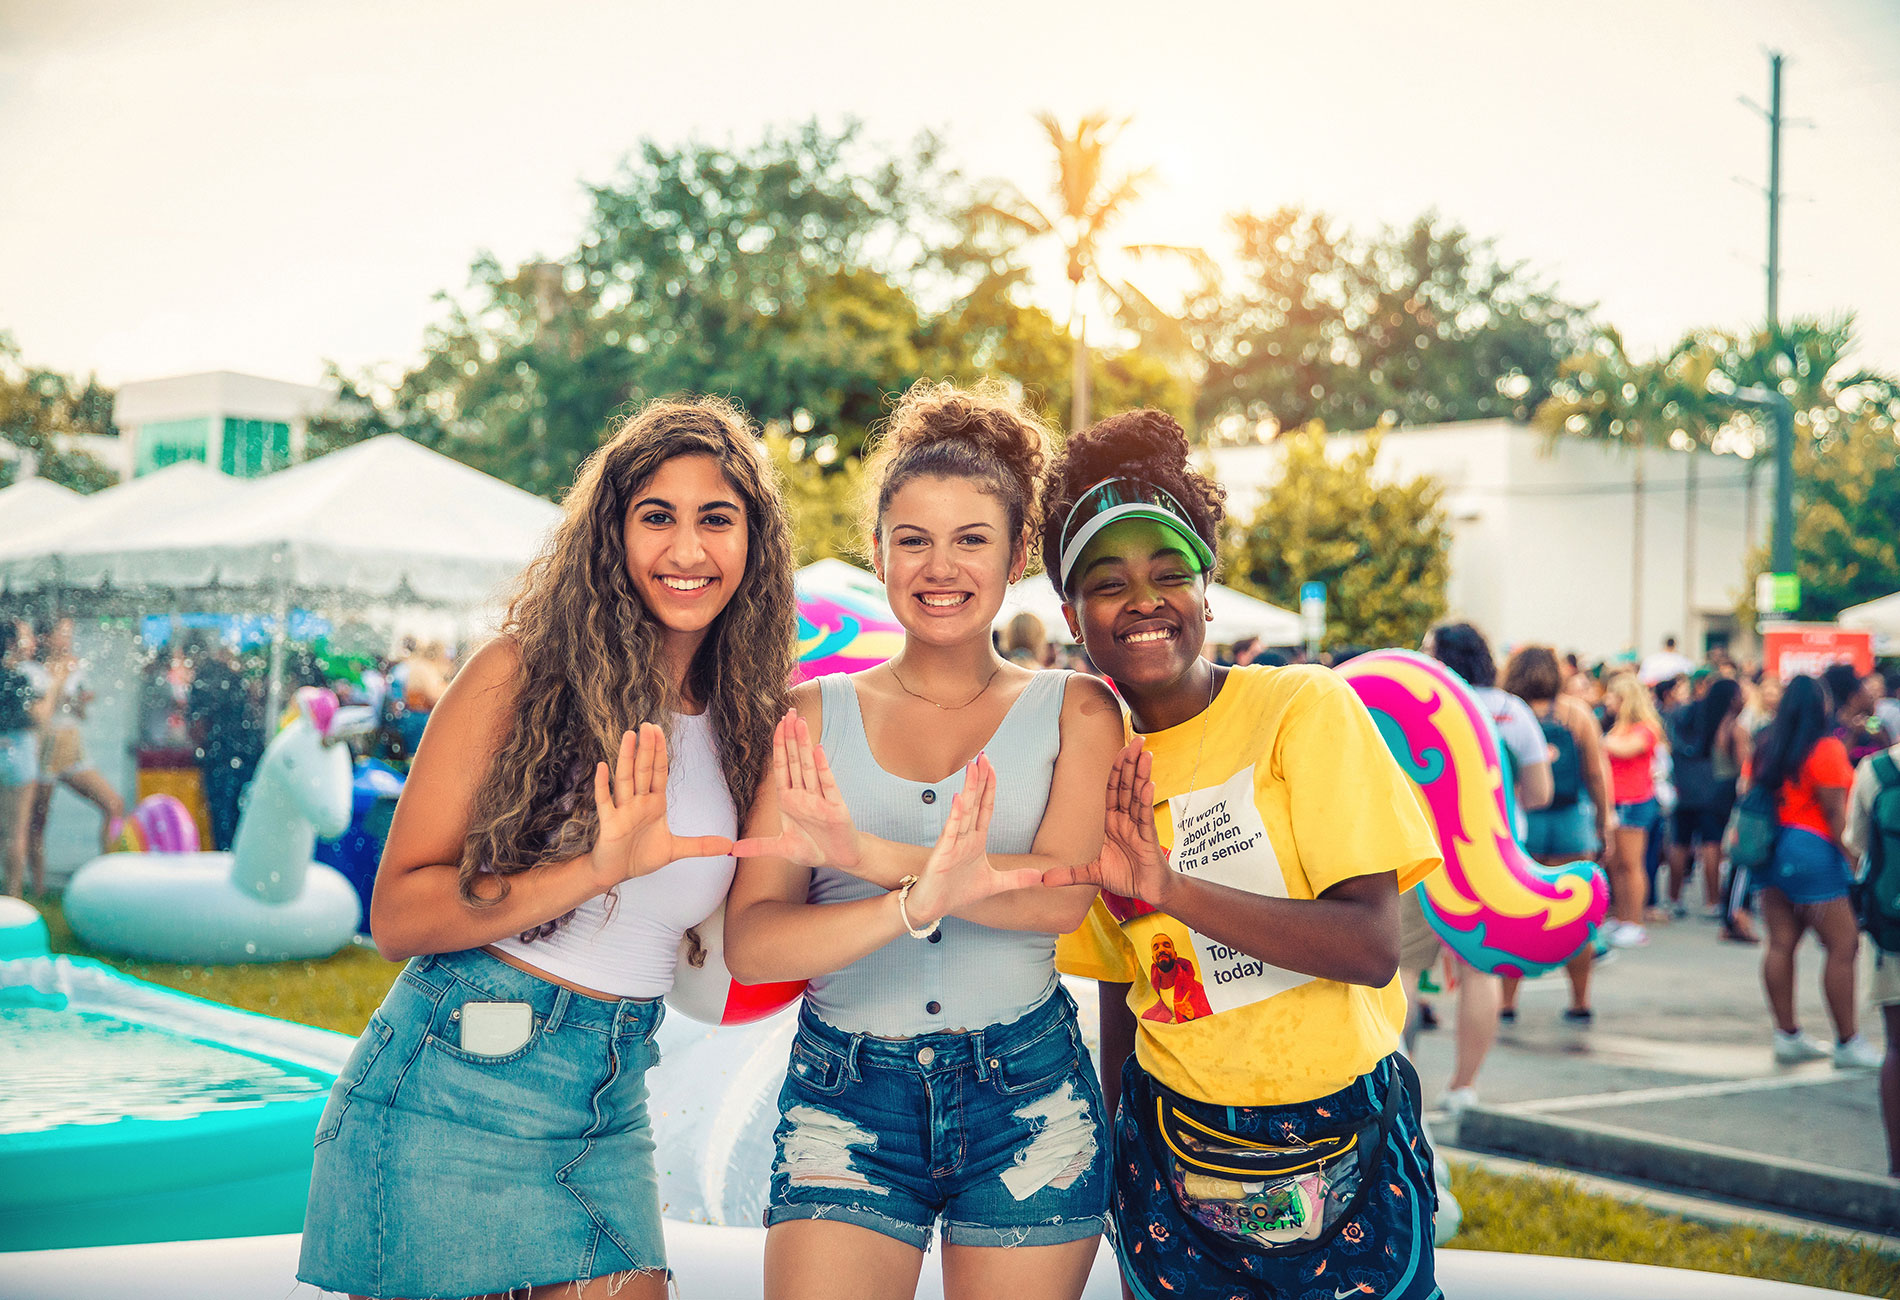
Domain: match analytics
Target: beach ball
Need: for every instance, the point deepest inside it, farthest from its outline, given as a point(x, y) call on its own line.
point(160, 824)
point(704, 990)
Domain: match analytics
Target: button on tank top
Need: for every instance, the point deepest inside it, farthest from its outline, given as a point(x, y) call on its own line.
point(972, 976)
point(628, 947)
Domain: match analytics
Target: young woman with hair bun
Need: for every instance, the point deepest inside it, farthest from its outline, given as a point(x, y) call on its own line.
point(897, 865)
point(1266, 1129)
point(489, 1135)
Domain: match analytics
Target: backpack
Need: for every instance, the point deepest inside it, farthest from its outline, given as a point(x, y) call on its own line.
point(1757, 827)
point(1877, 893)
point(1566, 763)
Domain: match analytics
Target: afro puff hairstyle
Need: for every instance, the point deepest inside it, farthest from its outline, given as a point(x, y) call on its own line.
point(1148, 445)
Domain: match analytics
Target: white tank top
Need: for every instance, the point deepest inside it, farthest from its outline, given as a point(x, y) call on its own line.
point(629, 947)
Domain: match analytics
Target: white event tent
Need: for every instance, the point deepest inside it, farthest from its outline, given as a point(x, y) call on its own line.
point(386, 520)
point(1881, 617)
point(32, 504)
point(34, 558)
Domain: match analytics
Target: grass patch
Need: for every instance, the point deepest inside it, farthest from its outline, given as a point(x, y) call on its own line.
point(336, 993)
point(1538, 1216)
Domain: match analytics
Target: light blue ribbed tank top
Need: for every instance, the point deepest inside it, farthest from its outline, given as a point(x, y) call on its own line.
point(972, 976)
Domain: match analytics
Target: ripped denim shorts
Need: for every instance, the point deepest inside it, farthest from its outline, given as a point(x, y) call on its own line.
point(999, 1131)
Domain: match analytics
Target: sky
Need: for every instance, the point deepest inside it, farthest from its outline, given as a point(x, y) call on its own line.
point(269, 186)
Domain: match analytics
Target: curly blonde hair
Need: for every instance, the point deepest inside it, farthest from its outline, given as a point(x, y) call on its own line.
point(589, 650)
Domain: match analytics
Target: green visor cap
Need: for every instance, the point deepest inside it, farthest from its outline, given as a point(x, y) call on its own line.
point(1115, 499)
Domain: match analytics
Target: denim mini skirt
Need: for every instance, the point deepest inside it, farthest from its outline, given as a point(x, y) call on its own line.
point(441, 1172)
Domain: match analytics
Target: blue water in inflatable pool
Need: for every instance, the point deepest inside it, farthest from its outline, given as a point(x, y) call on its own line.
point(132, 1113)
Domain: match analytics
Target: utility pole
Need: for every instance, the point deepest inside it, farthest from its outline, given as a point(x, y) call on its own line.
point(1774, 191)
point(1781, 547)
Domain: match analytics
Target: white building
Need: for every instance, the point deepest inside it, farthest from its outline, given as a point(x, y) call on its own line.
point(1545, 532)
point(243, 425)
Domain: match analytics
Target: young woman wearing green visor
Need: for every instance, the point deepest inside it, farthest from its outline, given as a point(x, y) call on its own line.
point(1267, 1139)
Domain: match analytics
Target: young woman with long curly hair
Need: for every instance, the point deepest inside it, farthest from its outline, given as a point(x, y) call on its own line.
point(937, 1070)
point(1266, 1138)
point(570, 814)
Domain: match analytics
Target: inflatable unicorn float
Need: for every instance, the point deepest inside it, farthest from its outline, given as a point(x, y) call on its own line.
point(268, 899)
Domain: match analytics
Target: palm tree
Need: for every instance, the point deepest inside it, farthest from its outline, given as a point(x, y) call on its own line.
point(1088, 202)
point(1805, 360)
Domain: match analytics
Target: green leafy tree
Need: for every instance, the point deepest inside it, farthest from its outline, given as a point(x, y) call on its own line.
point(1846, 544)
point(1421, 325)
point(40, 410)
point(1382, 548)
point(778, 274)
point(824, 499)
point(1682, 399)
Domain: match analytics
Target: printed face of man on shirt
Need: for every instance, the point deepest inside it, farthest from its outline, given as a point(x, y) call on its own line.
point(1173, 978)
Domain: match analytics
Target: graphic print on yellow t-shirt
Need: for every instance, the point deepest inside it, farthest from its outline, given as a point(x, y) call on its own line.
point(1220, 836)
point(1281, 788)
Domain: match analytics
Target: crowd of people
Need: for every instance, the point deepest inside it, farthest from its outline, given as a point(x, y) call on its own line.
point(1642, 766)
point(202, 703)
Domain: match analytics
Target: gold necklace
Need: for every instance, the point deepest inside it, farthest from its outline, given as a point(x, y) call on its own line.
point(948, 707)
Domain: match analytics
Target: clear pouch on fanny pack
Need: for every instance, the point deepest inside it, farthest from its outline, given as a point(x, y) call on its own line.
point(1280, 1199)
point(1269, 1213)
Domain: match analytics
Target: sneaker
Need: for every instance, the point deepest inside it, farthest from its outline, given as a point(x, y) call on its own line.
point(1628, 935)
point(1507, 1015)
point(1678, 911)
point(1457, 1101)
point(1579, 1016)
point(1856, 1054)
point(1793, 1048)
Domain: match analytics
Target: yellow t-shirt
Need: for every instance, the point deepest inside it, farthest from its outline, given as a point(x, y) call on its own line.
point(1295, 792)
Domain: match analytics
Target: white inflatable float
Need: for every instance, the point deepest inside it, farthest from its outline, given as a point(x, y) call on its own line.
point(268, 900)
point(729, 1264)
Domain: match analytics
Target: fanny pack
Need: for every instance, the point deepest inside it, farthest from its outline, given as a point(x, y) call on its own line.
point(1278, 1199)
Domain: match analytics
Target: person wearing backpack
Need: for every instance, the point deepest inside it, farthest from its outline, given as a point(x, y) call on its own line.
point(1575, 824)
point(1807, 878)
point(1873, 836)
point(1707, 770)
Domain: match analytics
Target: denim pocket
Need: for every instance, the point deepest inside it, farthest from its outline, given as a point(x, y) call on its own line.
point(443, 1041)
point(817, 1069)
point(1037, 1065)
point(355, 1070)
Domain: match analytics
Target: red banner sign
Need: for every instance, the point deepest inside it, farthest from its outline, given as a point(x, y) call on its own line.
point(1806, 649)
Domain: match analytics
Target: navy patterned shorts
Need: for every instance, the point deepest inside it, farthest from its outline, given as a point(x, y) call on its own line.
point(1382, 1251)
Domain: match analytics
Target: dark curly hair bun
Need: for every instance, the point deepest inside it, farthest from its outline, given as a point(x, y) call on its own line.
point(1149, 445)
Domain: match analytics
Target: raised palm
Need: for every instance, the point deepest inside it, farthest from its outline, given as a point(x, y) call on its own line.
point(1132, 862)
point(634, 839)
point(815, 826)
point(958, 872)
